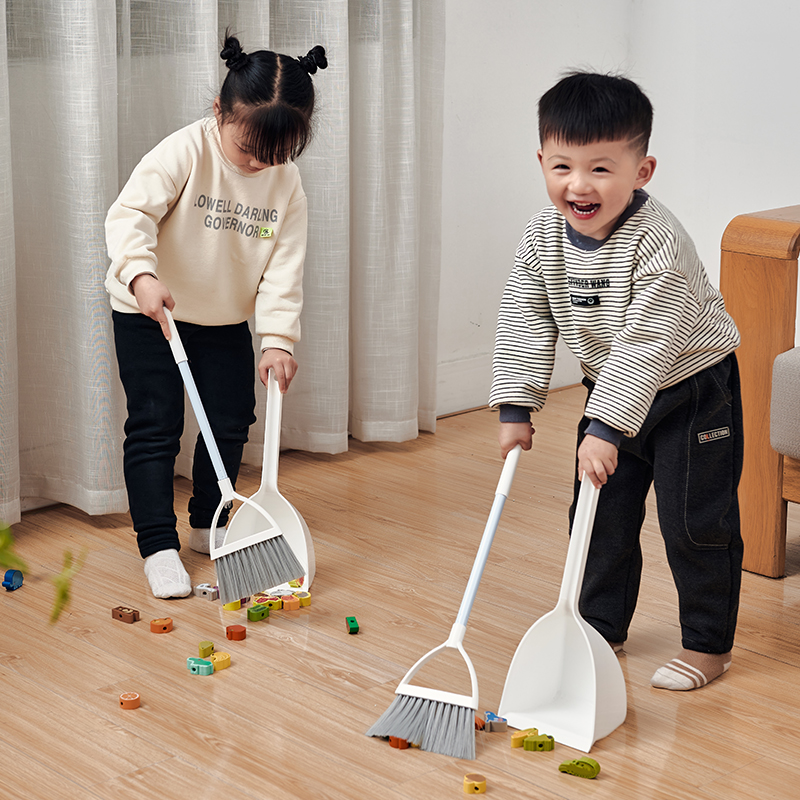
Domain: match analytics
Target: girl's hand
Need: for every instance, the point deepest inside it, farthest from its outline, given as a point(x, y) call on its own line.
point(513, 434)
point(597, 458)
point(151, 296)
point(283, 365)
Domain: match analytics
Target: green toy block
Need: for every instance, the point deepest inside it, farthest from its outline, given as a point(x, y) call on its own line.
point(257, 612)
point(199, 666)
point(582, 767)
point(539, 743)
point(206, 649)
point(352, 624)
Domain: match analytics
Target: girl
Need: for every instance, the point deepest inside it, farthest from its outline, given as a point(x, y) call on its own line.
point(212, 225)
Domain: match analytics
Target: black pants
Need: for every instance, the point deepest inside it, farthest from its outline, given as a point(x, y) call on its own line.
point(222, 363)
point(690, 449)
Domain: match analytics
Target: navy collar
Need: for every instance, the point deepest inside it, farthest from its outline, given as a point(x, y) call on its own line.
point(640, 197)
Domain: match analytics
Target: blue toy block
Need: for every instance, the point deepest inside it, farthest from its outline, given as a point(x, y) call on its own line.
point(12, 580)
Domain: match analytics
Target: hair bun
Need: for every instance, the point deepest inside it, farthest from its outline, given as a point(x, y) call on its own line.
point(235, 57)
point(315, 59)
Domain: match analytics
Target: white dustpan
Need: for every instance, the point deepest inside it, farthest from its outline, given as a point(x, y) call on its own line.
point(564, 678)
point(291, 525)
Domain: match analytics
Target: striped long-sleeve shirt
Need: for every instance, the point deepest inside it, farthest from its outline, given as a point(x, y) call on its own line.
point(637, 309)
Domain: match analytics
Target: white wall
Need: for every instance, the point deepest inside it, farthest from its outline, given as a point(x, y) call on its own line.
point(720, 77)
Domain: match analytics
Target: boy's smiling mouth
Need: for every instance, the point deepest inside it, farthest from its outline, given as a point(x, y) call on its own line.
point(584, 210)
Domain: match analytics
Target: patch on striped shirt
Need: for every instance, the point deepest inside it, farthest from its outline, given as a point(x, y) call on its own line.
point(584, 299)
point(710, 436)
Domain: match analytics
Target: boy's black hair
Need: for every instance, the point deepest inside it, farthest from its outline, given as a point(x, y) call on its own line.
point(587, 107)
point(272, 96)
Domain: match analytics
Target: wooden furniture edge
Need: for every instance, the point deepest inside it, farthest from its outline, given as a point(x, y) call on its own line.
point(767, 234)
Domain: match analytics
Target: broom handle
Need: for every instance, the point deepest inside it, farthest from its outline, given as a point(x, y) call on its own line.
point(578, 550)
point(181, 359)
point(503, 488)
point(272, 434)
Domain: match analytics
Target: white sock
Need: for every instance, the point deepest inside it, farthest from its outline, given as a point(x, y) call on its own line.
point(679, 675)
point(199, 539)
point(167, 577)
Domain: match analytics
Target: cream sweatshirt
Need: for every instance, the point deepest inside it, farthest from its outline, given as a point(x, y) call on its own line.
point(224, 242)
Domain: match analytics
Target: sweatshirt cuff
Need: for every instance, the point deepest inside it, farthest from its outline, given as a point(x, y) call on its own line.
point(281, 342)
point(605, 432)
point(134, 268)
point(512, 413)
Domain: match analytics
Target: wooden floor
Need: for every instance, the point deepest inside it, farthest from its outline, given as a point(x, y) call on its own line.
point(396, 528)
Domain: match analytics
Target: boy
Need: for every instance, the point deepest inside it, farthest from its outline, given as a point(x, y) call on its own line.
point(613, 272)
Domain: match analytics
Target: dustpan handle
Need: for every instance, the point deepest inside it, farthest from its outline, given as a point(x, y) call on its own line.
point(182, 360)
point(579, 540)
point(501, 493)
point(272, 434)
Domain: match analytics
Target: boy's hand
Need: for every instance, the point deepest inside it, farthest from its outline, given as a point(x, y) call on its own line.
point(597, 458)
point(513, 434)
point(151, 296)
point(283, 365)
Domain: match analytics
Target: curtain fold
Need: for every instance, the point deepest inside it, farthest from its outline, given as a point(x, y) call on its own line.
point(85, 90)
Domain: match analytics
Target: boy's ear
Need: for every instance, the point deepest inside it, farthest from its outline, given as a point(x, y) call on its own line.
point(647, 166)
point(539, 154)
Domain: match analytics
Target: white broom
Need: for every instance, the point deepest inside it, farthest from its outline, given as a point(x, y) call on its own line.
point(252, 563)
point(444, 722)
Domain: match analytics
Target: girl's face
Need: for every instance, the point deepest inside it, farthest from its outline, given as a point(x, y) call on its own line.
point(233, 139)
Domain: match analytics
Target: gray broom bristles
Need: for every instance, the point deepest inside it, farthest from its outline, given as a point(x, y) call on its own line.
point(256, 568)
point(439, 727)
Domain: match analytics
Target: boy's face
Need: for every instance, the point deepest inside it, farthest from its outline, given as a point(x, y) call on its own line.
point(592, 184)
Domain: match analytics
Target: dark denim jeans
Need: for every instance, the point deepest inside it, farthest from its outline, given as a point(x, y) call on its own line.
point(223, 366)
point(690, 450)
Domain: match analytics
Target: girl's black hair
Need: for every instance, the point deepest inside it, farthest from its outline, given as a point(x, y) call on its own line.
point(272, 97)
point(586, 107)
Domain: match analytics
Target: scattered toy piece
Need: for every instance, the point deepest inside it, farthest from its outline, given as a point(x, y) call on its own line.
point(12, 580)
point(236, 632)
point(297, 583)
point(206, 590)
point(539, 743)
point(352, 624)
point(480, 724)
point(584, 767)
point(257, 612)
point(271, 601)
point(205, 649)
point(161, 625)
point(125, 614)
point(235, 605)
point(400, 744)
point(495, 723)
point(474, 783)
point(220, 660)
point(290, 602)
point(199, 666)
point(303, 597)
point(129, 700)
point(244, 601)
point(518, 737)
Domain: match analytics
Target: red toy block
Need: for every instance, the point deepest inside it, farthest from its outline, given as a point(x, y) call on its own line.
point(236, 632)
point(161, 625)
point(129, 700)
point(400, 744)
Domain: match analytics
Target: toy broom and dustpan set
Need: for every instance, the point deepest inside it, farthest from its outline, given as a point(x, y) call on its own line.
point(564, 678)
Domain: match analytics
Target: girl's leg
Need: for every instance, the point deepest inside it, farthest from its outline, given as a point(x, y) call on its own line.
point(223, 366)
point(614, 564)
point(154, 392)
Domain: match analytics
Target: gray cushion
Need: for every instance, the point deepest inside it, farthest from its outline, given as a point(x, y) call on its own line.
point(784, 426)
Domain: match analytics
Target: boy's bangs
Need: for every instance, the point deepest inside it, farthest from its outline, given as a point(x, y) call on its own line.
point(275, 134)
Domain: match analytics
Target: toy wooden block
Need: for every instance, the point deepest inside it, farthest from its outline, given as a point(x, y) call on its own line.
point(161, 625)
point(235, 605)
point(272, 602)
point(199, 666)
point(584, 767)
point(352, 624)
point(206, 590)
point(474, 783)
point(125, 614)
point(220, 660)
point(12, 580)
point(205, 649)
point(518, 737)
point(539, 743)
point(297, 583)
point(303, 597)
point(236, 632)
point(290, 602)
point(129, 700)
point(260, 599)
point(495, 723)
point(400, 744)
point(257, 612)
point(480, 724)
point(244, 601)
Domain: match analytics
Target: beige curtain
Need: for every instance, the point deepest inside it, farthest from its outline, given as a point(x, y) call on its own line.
point(86, 88)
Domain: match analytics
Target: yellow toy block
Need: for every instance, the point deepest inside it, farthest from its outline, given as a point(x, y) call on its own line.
point(220, 660)
point(518, 737)
point(303, 597)
point(474, 783)
point(234, 606)
point(206, 649)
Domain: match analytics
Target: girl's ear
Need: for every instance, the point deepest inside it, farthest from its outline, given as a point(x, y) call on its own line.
point(647, 167)
point(217, 108)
